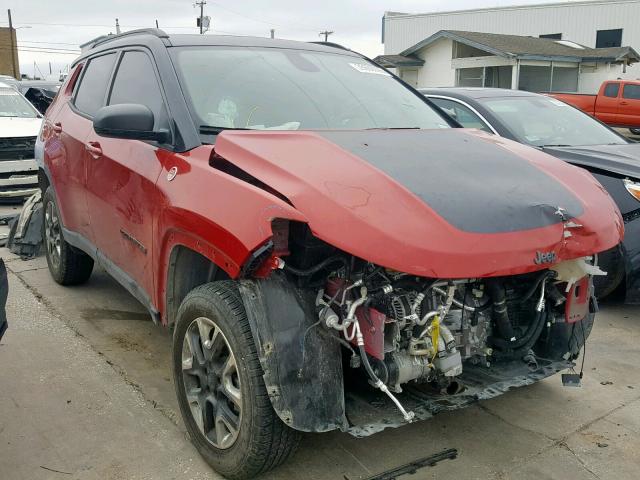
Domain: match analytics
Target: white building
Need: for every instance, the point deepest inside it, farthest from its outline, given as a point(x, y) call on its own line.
point(433, 58)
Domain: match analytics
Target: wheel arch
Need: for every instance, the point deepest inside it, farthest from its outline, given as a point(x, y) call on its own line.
point(188, 265)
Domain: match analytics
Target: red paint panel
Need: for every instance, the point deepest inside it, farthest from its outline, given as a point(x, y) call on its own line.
point(359, 209)
point(372, 327)
point(577, 305)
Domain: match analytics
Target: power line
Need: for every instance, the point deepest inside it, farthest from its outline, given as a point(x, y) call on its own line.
point(49, 43)
point(88, 25)
point(50, 48)
point(20, 49)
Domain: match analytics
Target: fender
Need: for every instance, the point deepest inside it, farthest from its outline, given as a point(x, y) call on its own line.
point(211, 212)
point(307, 394)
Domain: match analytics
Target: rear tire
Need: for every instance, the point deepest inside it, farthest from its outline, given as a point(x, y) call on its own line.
point(229, 417)
point(67, 264)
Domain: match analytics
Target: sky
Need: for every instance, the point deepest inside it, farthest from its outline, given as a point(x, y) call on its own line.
point(50, 31)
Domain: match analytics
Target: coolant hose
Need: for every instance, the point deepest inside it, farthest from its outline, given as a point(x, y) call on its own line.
point(518, 351)
point(531, 334)
point(495, 289)
point(318, 267)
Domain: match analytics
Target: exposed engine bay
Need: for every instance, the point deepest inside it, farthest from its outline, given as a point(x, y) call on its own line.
point(410, 332)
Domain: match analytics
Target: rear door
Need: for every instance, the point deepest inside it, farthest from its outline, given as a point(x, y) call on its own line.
point(64, 150)
point(629, 112)
point(606, 106)
point(121, 175)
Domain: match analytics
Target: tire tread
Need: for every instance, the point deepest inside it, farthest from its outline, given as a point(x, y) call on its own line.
point(274, 442)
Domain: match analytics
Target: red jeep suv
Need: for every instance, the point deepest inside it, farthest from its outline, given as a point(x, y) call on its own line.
point(329, 253)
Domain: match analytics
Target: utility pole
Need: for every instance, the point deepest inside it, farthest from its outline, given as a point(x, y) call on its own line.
point(117, 27)
point(273, 33)
point(157, 24)
point(201, 4)
point(12, 46)
point(326, 34)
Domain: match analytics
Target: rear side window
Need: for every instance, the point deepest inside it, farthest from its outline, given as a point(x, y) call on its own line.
point(93, 86)
point(611, 90)
point(136, 82)
point(632, 92)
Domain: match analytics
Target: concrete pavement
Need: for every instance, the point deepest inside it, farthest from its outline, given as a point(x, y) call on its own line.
point(96, 347)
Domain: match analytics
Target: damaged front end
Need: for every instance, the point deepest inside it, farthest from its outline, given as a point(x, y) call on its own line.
point(347, 344)
point(432, 269)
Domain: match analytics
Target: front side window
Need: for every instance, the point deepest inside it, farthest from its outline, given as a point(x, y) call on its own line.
point(135, 82)
point(461, 113)
point(12, 104)
point(93, 86)
point(284, 89)
point(611, 90)
point(631, 91)
point(545, 122)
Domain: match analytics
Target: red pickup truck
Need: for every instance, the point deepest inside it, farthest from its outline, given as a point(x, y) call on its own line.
point(617, 103)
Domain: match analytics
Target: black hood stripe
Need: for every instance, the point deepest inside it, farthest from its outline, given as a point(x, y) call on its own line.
point(474, 184)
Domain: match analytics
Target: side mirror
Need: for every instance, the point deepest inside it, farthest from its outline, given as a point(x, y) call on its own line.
point(127, 120)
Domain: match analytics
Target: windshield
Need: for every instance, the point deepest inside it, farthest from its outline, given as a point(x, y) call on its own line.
point(12, 104)
point(283, 89)
point(543, 121)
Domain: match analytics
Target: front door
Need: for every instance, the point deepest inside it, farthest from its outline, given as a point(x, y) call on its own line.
point(121, 178)
point(607, 103)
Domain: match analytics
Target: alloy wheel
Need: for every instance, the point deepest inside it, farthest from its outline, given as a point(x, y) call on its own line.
point(211, 382)
point(53, 234)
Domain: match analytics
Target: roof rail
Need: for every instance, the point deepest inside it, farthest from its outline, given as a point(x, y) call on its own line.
point(331, 44)
point(107, 38)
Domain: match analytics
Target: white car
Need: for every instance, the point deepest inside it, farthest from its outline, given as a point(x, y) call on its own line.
point(20, 124)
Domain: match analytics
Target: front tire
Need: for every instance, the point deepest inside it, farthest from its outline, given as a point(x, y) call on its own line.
point(635, 131)
point(221, 393)
point(67, 264)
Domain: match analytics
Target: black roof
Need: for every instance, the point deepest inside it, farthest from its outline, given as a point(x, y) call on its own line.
point(143, 36)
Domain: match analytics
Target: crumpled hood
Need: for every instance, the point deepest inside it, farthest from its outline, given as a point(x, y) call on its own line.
point(445, 203)
point(19, 127)
point(621, 159)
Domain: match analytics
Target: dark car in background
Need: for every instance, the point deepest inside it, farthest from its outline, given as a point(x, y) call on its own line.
point(569, 134)
point(39, 92)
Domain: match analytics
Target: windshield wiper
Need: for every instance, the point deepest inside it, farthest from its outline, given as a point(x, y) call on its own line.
point(213, 130)
point(555, 145)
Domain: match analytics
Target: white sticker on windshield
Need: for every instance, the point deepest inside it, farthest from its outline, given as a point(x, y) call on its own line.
point(367, 68)
point(558, 102)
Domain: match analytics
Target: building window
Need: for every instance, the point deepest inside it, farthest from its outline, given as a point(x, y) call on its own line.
point(539, 78)
point(497, 77)
point(552, 36)
point(609, 38)
point(470, 77)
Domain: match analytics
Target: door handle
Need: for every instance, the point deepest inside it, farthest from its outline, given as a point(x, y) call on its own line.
point(57, 127)
point(94, 149)
point(624, 103)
